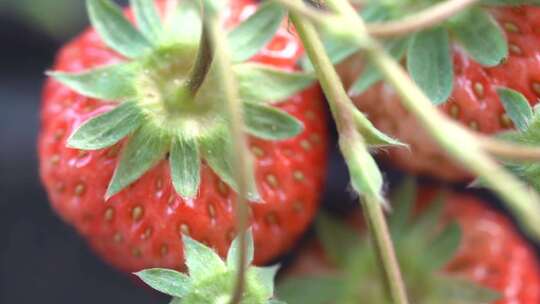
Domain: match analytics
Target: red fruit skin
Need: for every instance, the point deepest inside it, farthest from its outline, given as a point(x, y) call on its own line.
point(141, 227)
point(492, 253)
point(474, 101)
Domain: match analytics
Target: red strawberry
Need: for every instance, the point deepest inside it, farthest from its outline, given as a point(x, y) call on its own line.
point(474, 100)
point(140, 223)
point(491, 253)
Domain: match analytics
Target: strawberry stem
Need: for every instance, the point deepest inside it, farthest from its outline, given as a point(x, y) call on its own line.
point(342, 109)
point(218, 43)
point(510, 151)
point(202, 64)
point(419, 21)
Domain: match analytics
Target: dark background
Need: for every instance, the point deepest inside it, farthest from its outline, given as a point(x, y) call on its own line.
point(42, 260)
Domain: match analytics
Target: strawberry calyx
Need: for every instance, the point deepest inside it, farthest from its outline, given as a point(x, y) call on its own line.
point(211, 279)
point(429, 52)
point(423, 250)
point(168, 95)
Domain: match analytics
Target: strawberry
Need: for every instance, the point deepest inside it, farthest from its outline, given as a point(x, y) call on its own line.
point(468, 89)
point(133, 159)
point(475, 257)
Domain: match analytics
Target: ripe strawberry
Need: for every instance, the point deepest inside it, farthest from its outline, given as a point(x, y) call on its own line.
point(157, 165)
point(489, 253)
point(473, 101)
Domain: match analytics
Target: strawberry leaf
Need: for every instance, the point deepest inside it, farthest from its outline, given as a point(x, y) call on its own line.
point(167, 281)
point(312, 289)
point(107, 129)
point(372, 136)
point(254, 33)
point(176, 301)
point(143, 151)
point(517, 107)
point(430, 64)
point(371, 75)
point(262, 83)
point(117, 32)
point(270, 123)
point(234, 251)
point(201, 261)
point(147, 18)
point(110, 82)
point(481, 37)
point(185, 167)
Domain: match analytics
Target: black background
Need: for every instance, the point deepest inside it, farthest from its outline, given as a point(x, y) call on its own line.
point(42, 260)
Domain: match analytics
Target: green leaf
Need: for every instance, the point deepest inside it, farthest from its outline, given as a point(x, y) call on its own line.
point(143, 151)
point(274, 301)
point(110, 82)
point(371, 75)
point(444, 247)
point(183, 23)
point(201, 261)
point(430, 63)
point(270, 123)
point(147, 18)
point(117, 32)
point(234, 251)
point(338, 240)
point(107, 129)
point(262, 83)
point(517, 107)
point(176, 301)
point(453, 290)
point(254, 33)
point(266, 277)
point(403, 200)
point(481, 37)
point(372, 136)
point(217, 151)
point(167, 281)
point(185, 167)
point(312, 289)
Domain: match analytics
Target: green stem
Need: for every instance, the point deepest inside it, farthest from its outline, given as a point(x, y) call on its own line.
point(223, 66)
point(342, 110)
point(202, 64)
point(456, 140)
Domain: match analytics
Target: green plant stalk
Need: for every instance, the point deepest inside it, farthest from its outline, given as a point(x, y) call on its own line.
point(456, 140)
point(223, 67)
point(349, 137)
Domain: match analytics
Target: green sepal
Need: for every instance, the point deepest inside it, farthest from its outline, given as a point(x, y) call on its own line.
point(217, 152)
point(371, 75)
point(143, 151)
point(373, 137)
point(184, 24)
point(201, 261)
point(453, 290)
point(185, 167)
point(270, 123)
point(167, 281)
point(517, 107)
point(445, 246)
point(274, 301)
point(115, 30)
point(481, 37)
point(321, 289)
point(263, 83)
point(338, 240)
point(403, 199)
point(176, 301)
point(255, 32)
point(429, 62)
point(234, 251)
point(111, 82)
point(429, 217)
point(147, 18)
point(107, 129)
point(266, 277)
